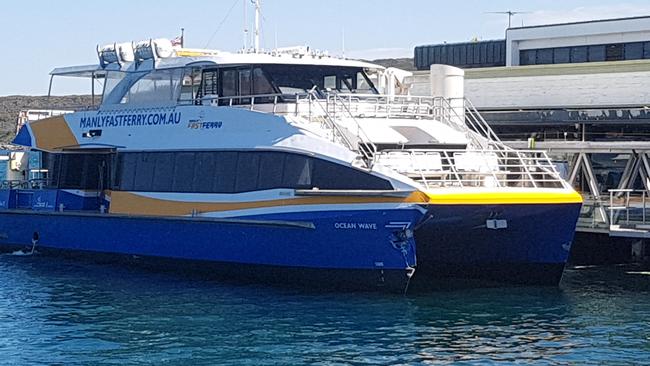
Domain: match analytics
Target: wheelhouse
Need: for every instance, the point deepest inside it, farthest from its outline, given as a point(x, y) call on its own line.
point(233, 84)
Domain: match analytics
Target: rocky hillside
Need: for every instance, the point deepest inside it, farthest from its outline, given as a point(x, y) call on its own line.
point(11, 105)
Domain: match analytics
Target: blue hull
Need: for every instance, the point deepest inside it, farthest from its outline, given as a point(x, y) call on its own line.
point(322, 246)
point(455, 244)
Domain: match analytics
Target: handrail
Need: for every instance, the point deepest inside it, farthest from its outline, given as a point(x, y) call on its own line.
point(474, 168)
point(369, 149)
point(627, 205)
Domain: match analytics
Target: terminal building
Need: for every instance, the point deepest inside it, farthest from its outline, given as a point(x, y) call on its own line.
point(579, 42)
point(579, 90)
point(582, 80)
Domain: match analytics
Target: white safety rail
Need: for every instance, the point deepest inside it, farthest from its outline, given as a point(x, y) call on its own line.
point(459, 114)
point(314, 109)
point(486, 162)
point(474, 168)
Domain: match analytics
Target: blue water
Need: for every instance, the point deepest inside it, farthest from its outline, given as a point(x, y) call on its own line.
point(59, 311)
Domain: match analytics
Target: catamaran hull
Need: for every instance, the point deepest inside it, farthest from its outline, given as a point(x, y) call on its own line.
point(339, 250)
point(525, 244)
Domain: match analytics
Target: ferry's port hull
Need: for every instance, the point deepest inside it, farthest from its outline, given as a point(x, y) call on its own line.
point(456, 245)
point(327, 255)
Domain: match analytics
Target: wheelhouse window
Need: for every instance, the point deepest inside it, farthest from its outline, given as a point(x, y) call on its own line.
point(112, 80)
point(155, 87)
point(191, 85)
point(266, 83)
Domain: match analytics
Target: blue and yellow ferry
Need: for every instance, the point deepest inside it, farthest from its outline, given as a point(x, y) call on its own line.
point(284, 166)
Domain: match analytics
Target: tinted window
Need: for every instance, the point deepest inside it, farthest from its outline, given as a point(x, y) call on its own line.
point(245, 84)
point(224, 173)
point(271, 168)
point(297, 171)
point(183, 176)
point(579, 54)
point(333, 176)
point(229, 83)
point(545, 56)
point(204, 171)
point(634, 51)
point(261, 84)
point(614, 52)
point(596, 53)
point(646, 50)
point(78, 171)
point(144, 172)
point(164, 172)
point(229, 171)
point(126, 171)
point(527, 57)
point(562, 55)
point(210, 83)
point(71, 171)
point(247, 171)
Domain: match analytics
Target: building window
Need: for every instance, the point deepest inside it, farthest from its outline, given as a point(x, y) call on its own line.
point(579, 54)
point(596, 53)
point(646, 50)
point(562, 55)
point(527, 57)
point(634, 51)
point(614, 52)
point(544, 56)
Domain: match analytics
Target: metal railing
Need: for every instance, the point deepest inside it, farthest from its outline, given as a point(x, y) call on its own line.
point(314, 108)
point(628, 208)
point(474, 168)
point(486, 161)
point(25, 184)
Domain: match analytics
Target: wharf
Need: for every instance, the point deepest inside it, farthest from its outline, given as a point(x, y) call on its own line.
point(621, 213)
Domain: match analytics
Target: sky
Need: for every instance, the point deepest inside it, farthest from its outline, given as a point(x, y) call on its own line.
point(39, 35)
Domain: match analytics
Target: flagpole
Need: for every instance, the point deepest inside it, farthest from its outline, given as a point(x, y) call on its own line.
point(182, 37)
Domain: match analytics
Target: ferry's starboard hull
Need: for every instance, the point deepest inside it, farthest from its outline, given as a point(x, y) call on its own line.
point(523, 244)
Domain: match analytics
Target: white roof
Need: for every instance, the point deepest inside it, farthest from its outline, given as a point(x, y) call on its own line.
point(220, 58)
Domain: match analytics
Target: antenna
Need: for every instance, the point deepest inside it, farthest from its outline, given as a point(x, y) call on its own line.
point(257, 25)
point(510, 14)
point(245, 26)
point(343, 41)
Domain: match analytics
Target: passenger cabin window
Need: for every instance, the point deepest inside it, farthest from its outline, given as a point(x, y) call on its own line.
point(235, 172)
point(78, 170)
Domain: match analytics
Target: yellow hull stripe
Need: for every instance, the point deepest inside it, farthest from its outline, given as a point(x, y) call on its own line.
point(52, 133)
point(131, 203)
point(503, 197)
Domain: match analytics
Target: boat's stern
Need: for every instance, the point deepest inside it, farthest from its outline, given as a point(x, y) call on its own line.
point(511, 235)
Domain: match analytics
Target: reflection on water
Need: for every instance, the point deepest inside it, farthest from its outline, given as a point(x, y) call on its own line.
point(57, 311)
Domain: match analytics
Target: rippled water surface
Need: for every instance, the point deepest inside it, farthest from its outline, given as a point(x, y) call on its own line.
point(59, 311)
